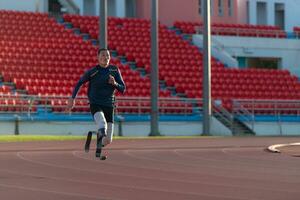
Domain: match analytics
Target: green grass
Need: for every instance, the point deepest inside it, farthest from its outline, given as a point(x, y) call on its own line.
point(26, 138)
point(164, 137)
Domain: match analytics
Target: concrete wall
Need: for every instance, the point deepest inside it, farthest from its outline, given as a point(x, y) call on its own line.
point(292, 13)
point(275, 129)
point(80, 4)
point(288, 50)
point(7, 128)
point(143, 128)
point(115, 7)
point(242, 11)
point(28, 5)
point(128, 128)
point(172, 10)
point(172, 128)
point(89, 7)
point(218, 51)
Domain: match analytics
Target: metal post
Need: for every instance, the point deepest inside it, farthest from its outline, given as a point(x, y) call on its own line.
point(120, 128)
point(154, 69)
point(17, 120)
point(207, 69)
point(103, 24)
point(120, 122)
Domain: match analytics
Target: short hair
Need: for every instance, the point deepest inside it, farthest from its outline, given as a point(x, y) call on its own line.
point(101, 49)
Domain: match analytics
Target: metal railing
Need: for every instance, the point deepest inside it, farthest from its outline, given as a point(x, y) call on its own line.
point(268, 107)
point(222, 113)
point(229, 119)
point(243, 32)
point(58, 104)
point(246, 110)
point(239, 111)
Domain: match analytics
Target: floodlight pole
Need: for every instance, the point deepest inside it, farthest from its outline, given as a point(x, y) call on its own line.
point(103, 24)
point(206, 69)
point(154, 70)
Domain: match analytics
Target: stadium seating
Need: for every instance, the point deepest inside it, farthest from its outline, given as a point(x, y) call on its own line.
point(10, 102)
point(242, 30)
point(37, 51)
point(297, 31)
point(181, 63)
point(42, 57)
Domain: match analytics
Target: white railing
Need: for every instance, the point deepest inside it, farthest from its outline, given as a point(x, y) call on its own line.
point(140, 105)
point(267, 107)
point(246, 110)
point(58, 104)
point(243, 32)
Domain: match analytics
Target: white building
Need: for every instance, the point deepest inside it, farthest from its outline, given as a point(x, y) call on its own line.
point(119, 8)
point(283, 13)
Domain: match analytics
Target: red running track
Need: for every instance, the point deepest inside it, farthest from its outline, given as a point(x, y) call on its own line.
point(186, 169)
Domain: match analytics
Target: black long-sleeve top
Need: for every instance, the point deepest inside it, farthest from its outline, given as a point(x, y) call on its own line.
point(100, 92)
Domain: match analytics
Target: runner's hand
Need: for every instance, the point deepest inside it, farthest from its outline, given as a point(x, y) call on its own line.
point(111, 80)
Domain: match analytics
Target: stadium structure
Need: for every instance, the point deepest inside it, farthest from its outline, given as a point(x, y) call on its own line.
point(46, 45)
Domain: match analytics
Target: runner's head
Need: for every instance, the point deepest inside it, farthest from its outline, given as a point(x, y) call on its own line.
point(103, 57)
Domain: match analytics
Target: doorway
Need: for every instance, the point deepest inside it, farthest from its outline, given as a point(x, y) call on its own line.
point(279, 15)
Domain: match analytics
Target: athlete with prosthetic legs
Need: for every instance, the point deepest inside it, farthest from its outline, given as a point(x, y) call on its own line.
point(103, 80)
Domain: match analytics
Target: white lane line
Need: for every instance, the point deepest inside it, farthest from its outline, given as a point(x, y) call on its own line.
point(274, 148)
point(48, 191)
point(96, 197)
point(139, 188)
point(111, 185)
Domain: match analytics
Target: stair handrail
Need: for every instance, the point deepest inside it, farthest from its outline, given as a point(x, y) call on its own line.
point(222, 47)
point(70, 4)
point(218, 44)
point(240, 112)
point(219, 110)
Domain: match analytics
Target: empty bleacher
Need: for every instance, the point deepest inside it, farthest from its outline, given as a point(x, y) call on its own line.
point(297, 31)
point(43, 58)
point(181, 63)
point(241, 30)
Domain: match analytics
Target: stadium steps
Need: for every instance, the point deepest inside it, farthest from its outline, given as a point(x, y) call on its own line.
point(122, 58)
point(240, 128)
point(117, 56)
point(76, 31)
point(54, 59)
point(237, 127)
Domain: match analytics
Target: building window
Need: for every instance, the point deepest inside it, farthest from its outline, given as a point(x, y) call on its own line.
point(261, 13)
point(200, 7)
point(230, 7)
point(220, 7)
point(279, 15)
point(248, 12)
point(211, 7)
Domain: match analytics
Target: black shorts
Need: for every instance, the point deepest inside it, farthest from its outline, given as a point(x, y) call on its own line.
point(108, 111)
